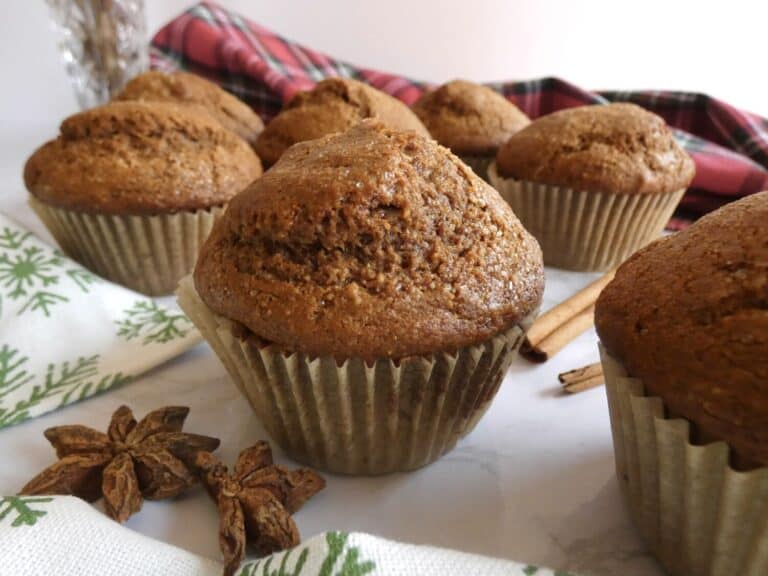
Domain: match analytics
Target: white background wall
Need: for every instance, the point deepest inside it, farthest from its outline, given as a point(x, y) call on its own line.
point(716, 47)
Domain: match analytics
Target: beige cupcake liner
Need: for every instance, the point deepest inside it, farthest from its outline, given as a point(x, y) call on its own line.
point(698, 515)
point(479, 164)
point(356, 418)
point(149, 254)
point(586, 230)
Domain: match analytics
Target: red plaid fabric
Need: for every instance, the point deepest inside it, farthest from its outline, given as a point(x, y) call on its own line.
point(729, 146)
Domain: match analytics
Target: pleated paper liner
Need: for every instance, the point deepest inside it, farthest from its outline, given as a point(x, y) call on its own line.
point(479, 164)
point(356, 418)
point(580, 230)
point(149, 254)
point(698, 515)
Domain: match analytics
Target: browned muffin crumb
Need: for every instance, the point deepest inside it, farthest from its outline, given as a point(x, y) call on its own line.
point(605, 148)
point(372, 243)
point(469, 118)
point(182, 87)
point(689, 316)
point(334, 105)
point(141, 158)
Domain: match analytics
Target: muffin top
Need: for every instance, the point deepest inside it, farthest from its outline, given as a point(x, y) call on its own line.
point(469, 118)
point(182, 87)
point(334, 105)
point(141, 158)
point(689, 316)
point(606, 148)
point(372, 243)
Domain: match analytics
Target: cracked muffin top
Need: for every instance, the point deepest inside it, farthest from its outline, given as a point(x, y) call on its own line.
point(618, 148)
point(689, 316)
point(372, 243)
point(334, 105)
point(469, 118)
point(141, 158)
point(185, 88)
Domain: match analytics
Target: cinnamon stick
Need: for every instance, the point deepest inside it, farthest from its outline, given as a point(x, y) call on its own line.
point(559, 338)
point(584, 385)
point(582, 379)
point(578, 374)
point(558, 326)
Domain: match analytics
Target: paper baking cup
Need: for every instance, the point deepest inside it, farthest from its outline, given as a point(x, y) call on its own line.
point(698, 515)
point(149, 254)
point(479, 164)
point(355, 417)
point(580, 230)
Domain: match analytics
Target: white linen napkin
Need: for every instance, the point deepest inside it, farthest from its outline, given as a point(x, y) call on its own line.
point(66, 334)
point(65, 536)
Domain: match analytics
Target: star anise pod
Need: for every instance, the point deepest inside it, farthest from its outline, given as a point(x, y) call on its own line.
point(129, 463)
point(256, 501)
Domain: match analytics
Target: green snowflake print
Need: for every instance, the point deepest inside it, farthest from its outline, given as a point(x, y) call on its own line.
point(152, 323)
point(25, 515)
point(263, 567)
point(350, 565)
point(82, 278)
point(26, 273)
point(20, 272)
point(13, 374)
point(31, 274)
point(12, 239)
point(69, 381)
point(338, 549)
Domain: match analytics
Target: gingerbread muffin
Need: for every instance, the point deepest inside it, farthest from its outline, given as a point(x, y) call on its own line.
point(593, 183)
point(131, 189)
point(386, 278)
point(470, 119)
point(334, 105)
point(185, 88)
point(687, 319)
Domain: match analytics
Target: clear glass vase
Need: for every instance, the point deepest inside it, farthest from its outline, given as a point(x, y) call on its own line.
point(103, 44)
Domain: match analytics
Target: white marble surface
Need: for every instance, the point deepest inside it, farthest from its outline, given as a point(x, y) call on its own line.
point(534, 482)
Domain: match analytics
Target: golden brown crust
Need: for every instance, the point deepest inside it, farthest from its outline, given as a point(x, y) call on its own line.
point(371, 243)
point(469, 118)
point(689, 316)
point(185, 88)
point(141, 158)
point(610, 148)
point(334, 105)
